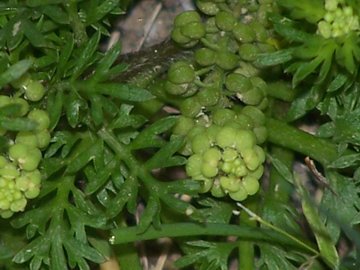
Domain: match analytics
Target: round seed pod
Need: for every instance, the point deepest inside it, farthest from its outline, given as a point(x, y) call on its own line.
point(225, 20)
point(260, 134)
point(258, 173)
point(212, 156)
point(183, 125)
point(256, 115)
point(190, 107)
point(244, 33)
point(226, 137)
point(244, 122)
point(193, 165)
point(229, 184)
point(186, 17)
point(175, 89)
point(181, 72)
point(217, 190)
point(240, 195)
point(251, 158)
point(248, 52)
point(200, 143)
point(26, 137)
point(43, 138)
point(205, 57)
point(210, 26)
point(207, 7)
point(179, 37)
point(193, 30)
point(34, 90)
point(226, 60)
point(251, 184)
point(237, 83)
point(244, 139)
point(41, 117)
point(222, 115)
point(208, 170)
point(208, 96)
point(252, 97)
point(24, 106)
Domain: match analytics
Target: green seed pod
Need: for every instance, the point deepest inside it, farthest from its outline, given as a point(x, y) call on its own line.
point(248, 52)
point(256, 115)
point(178, 37)
point(32, 193)
point(34, 90)
point(208, 96)
point(43, 138)
point(222, 115)
point(175, 89)
point(244, 139)
point(200, 143)
point(27, 157)
point(225, 20)
point(6, 214)
point(258, 173)
point(237, 83)
point(40, 117)
point(212, 156)
point(183, 125)
point(212, 132)
point(190, 107)
point(4, 204)
point(5, 100)
point(260, 134)
point(226, 137)
point(206, 184)
point(252, 97)
point(244, 122)
point(193, 30)
point(229, 184)
point(24, 106)
point(263, 104)
point(217, 190)
point(3, 162)
point(260, 153)
point(181, 72)
point(193, 165)
point(229, 154)
point(26, 137)
point(18, 205)
point(226, 60)
point(9, 171)
point(186, 17)
point(260, 31)
point(207, 7)
point(251, 184)
point(227, 167)
point(208, 170)
point(205, 57)
point(210, 26)
point(251, 158)
point(240, 195)
point(239, 169)
point(244, 33)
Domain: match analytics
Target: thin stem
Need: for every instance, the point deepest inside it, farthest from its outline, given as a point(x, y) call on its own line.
point(276, 229)
point(131, 234)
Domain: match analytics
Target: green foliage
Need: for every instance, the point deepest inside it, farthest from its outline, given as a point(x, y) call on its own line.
point(87, 152)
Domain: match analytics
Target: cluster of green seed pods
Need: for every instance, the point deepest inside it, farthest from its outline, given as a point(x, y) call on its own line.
point(224, 151)
point(20, 178)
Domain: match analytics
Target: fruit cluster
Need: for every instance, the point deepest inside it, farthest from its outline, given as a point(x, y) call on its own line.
point(20, 178)
point(224, 152)
point(338, 20)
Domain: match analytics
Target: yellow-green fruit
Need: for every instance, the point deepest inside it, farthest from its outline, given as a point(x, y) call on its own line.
point(226, 137)
point(244, 139)
point(230, 183)
point(41, 117)
point(34, 90)
point(43, 138)
point(251, 184)
point(208, 170)
point(27, 138)
point(216, 190)
point(200, 143)
point(240, 195)
point(251, 159)
point(193, 165)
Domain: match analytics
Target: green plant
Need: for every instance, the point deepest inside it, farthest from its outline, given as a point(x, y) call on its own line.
point(85, 142)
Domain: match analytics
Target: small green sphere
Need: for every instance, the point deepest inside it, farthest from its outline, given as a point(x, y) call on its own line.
point(225, 20)
point(41, 117)
point(181, 72)
point(34, 91)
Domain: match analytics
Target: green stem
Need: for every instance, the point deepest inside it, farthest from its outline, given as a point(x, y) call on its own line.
point(292, 138)
point(246, 248)
point(131, 234)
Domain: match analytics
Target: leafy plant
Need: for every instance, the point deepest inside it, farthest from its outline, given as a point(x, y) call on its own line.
point(91, 162)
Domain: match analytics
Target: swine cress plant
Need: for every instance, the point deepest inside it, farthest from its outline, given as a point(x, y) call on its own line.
point(201, 132)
